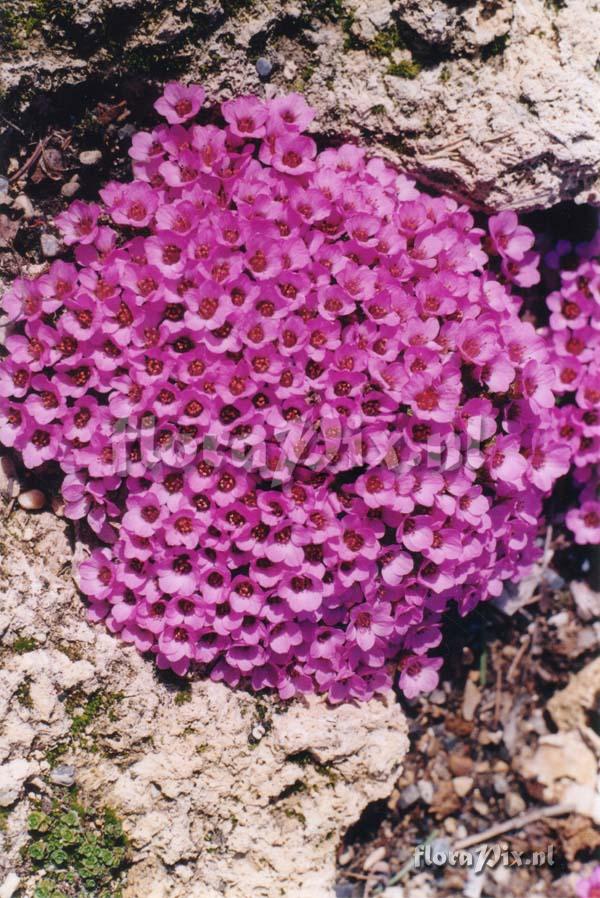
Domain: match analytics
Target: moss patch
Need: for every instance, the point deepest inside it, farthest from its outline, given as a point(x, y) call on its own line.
point(405, 69)
point(24, 644)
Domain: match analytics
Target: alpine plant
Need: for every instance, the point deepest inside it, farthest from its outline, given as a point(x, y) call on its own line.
point(298, 401)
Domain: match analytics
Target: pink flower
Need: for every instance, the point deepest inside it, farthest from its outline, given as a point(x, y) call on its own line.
point(589, 886)
point(510, 239)
point(246, 116)
point(79, 224)
point(418, 674)
point(180, 102)
point(585, 523)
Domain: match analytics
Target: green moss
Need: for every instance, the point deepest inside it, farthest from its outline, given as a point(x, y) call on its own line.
point(72, 651)
point(293, 814)
point(445, 74)
point(387, 40)
point(4, 815)
point(495, 47)
point(23, 694)
point(184, 695)
point(96, 704)
point(231, 7)
point(82, 851)
point(405, 69)
point(56, 752)
point(24, 644)
point(307, 759)
point(41, 12)
point(9, 29)
point(326, 10)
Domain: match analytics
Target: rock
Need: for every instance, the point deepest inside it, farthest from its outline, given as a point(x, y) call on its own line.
point(471, 699)
point(460, 765)
point(409, 796)
point(437, 697)
point(71, 187)
point(9, 886)
point(90, 157)
point(462, 785)
point(514, 804)
point(426, 790)
point(477, 113)
point(23, 203)
point(4, 188)
point(63, 775)
point(374, 857)
point(13, 776)
point(346, 856)
point(208, 810)
point(500, 784)
point(393, 892)
point(32, 500)
point(264, 67)
point(50, 245)
point(586, 600)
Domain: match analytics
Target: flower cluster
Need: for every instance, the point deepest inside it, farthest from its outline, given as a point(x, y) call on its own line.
point(292, 395)
point(573, 339)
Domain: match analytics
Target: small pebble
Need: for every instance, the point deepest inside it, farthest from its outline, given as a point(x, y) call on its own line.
point(346, 856)
point(450, 825)
point(462, 785)
point(374, 857)
point(63, 775)
point(409, 796)
point(9, 886)
point(71, 187)
point(23, 203)
point(50, 245)
point(126, 132)
point(90, 157)
point(264, 67)
point(437, 697)
point(426, 791)
point(32, 500)
point(460, 765)
point(258, 731)
point(500, 784)
point(344, 890)
point(514, 804)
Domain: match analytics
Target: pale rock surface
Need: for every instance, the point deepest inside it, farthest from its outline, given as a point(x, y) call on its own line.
point(226, 794)
point(503, 110)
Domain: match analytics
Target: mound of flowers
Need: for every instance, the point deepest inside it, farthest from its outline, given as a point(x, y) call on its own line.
point(293, 396)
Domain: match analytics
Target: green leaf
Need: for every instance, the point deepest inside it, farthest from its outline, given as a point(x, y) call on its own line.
point(37, 851)
point(38, 821)
point(59, 857)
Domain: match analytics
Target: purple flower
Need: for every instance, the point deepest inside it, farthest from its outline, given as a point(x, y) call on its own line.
point(419, 674)
point(180, 102)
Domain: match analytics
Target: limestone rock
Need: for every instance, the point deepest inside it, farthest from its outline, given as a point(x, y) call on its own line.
point(494, 102)
point(222, 794)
